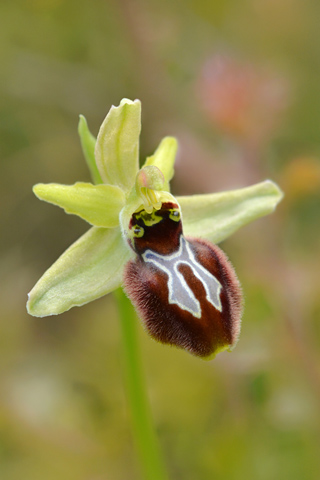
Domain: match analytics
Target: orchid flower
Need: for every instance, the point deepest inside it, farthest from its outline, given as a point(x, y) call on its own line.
point(160, 247)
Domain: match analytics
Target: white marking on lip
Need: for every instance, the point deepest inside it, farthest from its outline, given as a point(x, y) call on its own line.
point(179, 291)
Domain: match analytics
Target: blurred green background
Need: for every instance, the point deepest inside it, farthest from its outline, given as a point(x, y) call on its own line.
point(237, 82)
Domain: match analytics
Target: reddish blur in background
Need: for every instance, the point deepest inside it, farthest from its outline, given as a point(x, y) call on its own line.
point(238, 84)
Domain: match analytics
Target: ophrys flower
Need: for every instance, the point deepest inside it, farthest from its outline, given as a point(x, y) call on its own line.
point(185, 289)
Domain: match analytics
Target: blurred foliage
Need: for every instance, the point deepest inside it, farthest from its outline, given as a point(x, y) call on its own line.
point(250, 414)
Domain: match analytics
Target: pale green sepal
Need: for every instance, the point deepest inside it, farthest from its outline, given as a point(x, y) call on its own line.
point(88, 142)
point(216, 216)
point(164, 158)
point(99, 205)
point(89, 269)
point(117, 147)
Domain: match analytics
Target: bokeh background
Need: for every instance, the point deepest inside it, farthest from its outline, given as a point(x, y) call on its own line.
point(237, 82)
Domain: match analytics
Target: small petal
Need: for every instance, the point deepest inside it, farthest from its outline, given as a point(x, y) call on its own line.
point(88, 142)
point(90, 268)
point(117, 147)
point(164, 158)
point(99, 205)
point(216, 216)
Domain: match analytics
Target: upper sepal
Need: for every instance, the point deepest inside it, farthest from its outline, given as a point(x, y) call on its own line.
point(117, 147)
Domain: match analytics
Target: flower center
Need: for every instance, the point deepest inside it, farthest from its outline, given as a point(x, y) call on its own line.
point(150, 199)
point(149, 183)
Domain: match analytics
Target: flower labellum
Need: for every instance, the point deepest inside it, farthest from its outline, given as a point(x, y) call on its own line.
point(184, 289)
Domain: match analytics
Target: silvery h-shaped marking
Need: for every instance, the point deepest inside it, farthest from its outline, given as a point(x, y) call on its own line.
point(179, 291)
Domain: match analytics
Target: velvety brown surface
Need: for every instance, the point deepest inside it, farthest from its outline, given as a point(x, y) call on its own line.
point(146, 286)
point(163, 237)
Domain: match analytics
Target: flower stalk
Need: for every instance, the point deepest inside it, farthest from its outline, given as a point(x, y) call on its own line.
point(143, 431)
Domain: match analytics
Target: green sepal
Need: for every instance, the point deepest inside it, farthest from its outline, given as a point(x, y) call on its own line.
point(117, 147)
point(88, 143)
point(164, 158)
point(216, 216)
point(99, 205)
point(89, 269)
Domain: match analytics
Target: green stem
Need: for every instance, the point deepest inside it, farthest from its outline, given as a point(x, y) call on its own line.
point(144, 434)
